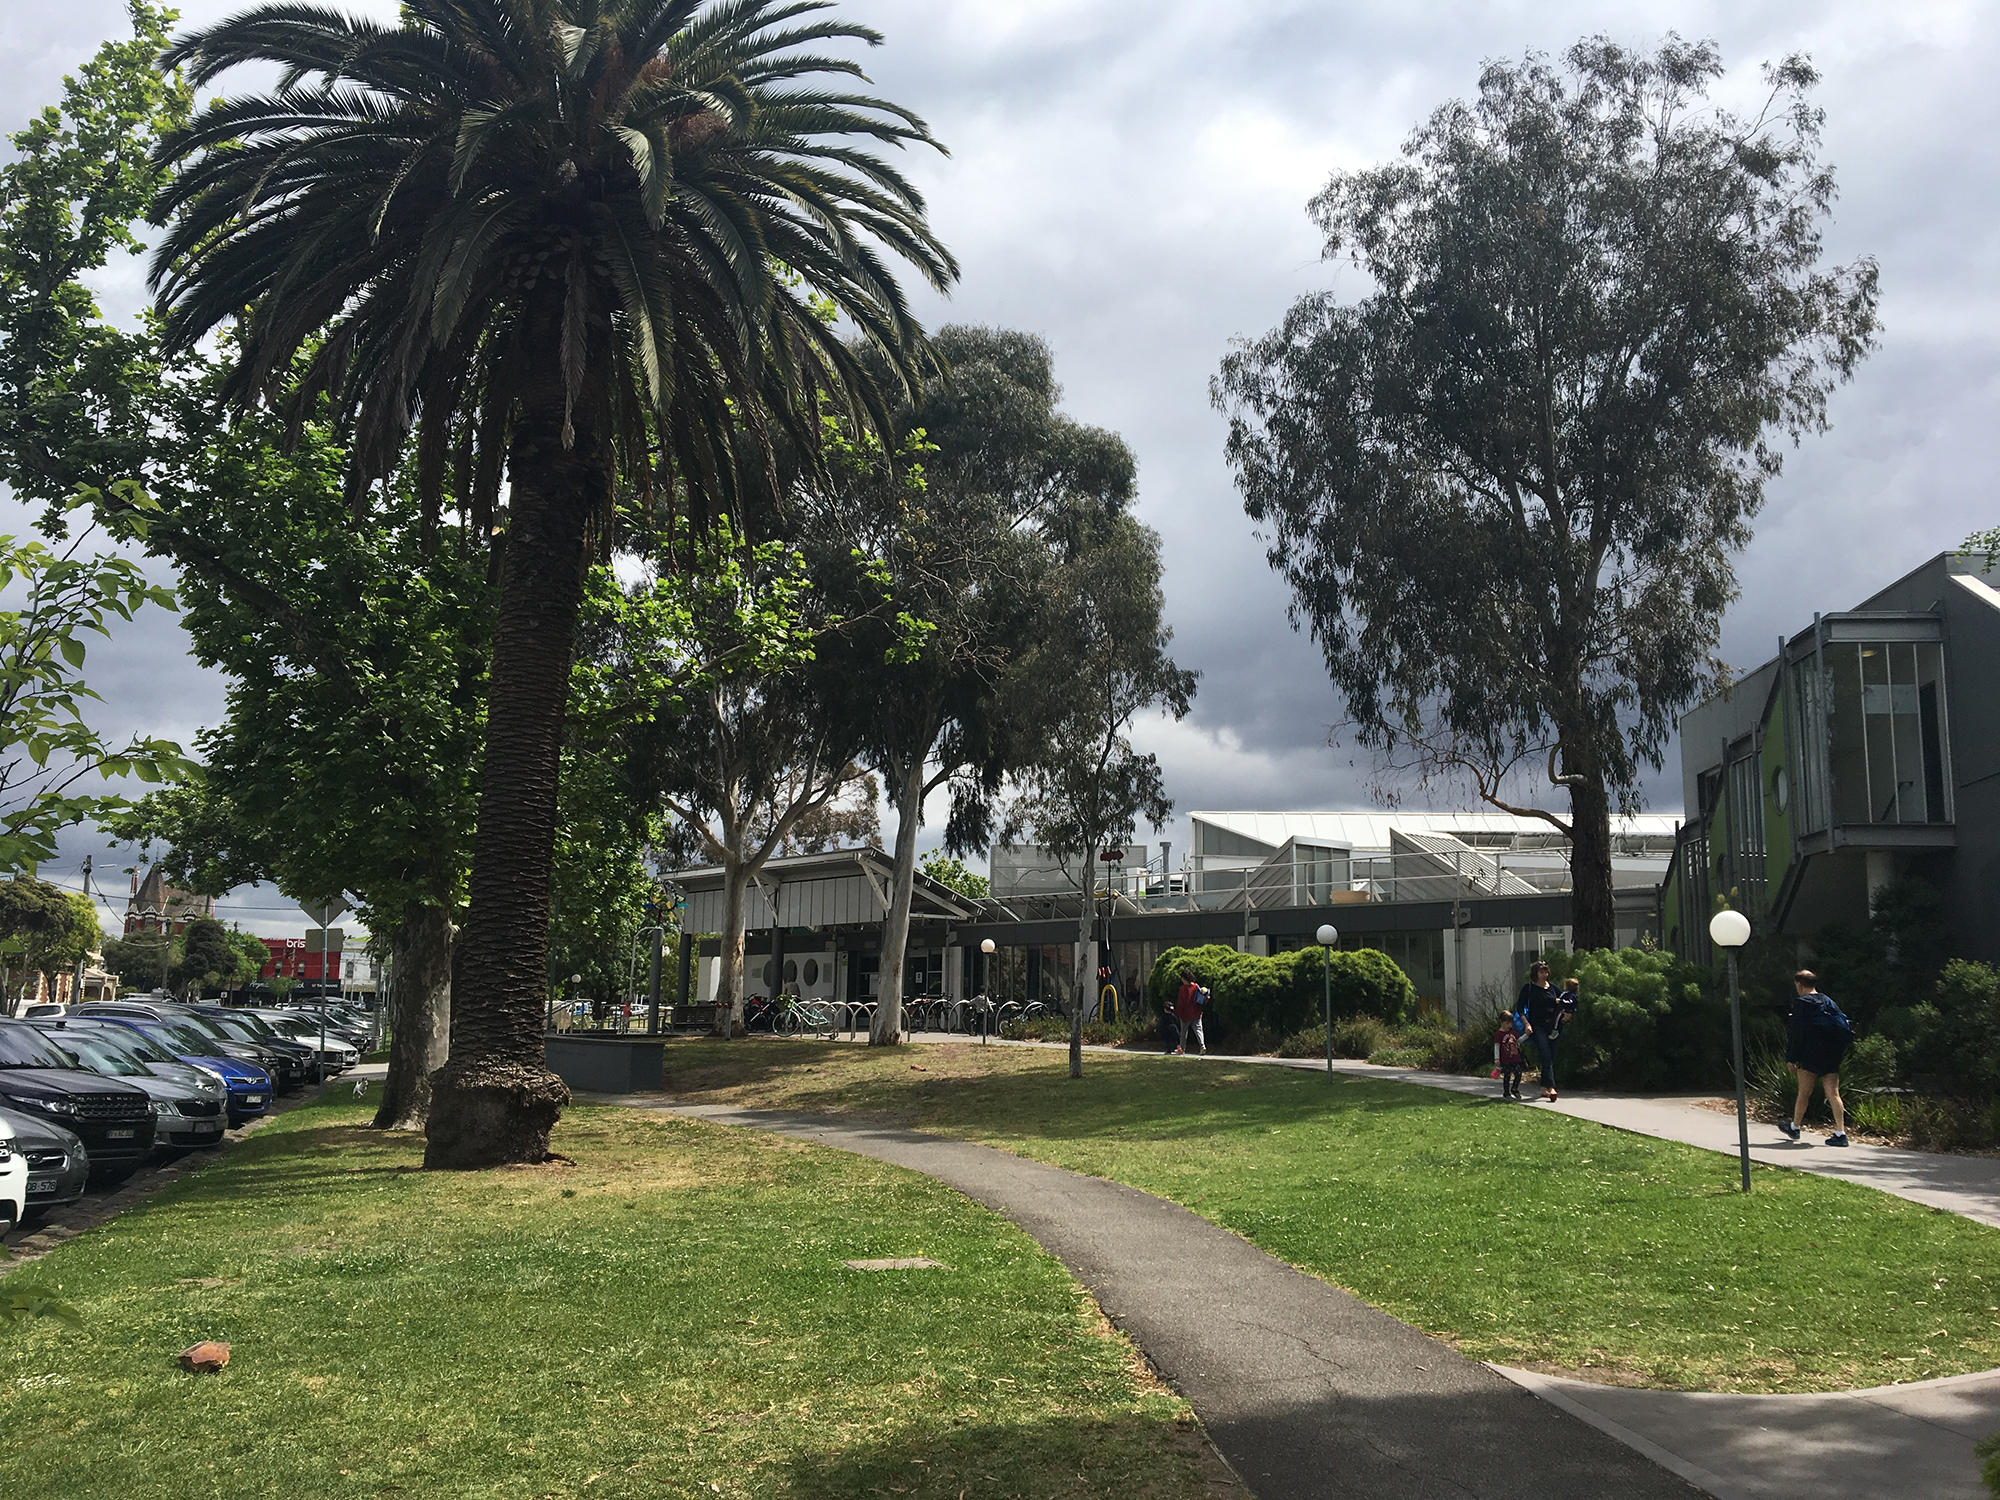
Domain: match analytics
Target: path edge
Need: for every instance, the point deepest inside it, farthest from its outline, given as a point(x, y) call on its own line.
point(1546, 1389)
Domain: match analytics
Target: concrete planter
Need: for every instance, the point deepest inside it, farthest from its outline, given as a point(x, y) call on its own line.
point(606, 1064)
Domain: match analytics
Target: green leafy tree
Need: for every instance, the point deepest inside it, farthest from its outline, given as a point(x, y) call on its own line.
point(965, 536)
point(572, 243)
point(1105, 663)
point(137, 960)
point(208, 959)
point(947, 870)
point(46, 931)
point(1506, 487)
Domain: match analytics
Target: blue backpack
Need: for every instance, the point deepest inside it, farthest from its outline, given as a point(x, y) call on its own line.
point(1826, 1016)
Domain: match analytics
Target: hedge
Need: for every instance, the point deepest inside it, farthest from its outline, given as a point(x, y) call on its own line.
point(1284, 993)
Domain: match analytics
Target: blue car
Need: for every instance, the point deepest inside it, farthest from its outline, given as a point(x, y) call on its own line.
point(249, 1087)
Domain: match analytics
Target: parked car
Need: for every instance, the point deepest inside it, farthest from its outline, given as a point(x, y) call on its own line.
point(58, 1163)
point(187, 1116)
point(13, 1176)
point(114, 1119)
point(249, 1085)
point(325, 1062)
point(306, 1032)
point(298, 1059)
point(287, 1072)
point(160, 1062)
point(43, 1008)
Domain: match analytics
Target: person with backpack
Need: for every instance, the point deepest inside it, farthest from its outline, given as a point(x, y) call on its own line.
point(1815, 1040)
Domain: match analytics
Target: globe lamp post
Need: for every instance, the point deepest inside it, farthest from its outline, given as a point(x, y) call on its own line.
point(1328, 935)
point(1730, 931)
point(985, 984)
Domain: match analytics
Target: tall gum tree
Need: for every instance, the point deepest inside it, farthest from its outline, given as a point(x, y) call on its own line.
point(573, 245)
point(1105, 664)
point(1506, 487)
point(966, 535)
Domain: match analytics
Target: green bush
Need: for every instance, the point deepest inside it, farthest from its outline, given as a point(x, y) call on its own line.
point(1356, 1036)
point(1988, 1451)
point(1644, 1019)
point(1285, 992)
point(1401, 1057)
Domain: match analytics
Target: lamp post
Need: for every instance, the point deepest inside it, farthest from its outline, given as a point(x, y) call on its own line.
point(985, 984)
point(1328, 935)
point(1731, 930)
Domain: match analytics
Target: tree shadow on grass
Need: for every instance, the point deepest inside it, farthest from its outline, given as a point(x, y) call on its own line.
point(948, 1457)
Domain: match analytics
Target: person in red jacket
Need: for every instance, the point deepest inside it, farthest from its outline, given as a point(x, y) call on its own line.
point(1189, 1003)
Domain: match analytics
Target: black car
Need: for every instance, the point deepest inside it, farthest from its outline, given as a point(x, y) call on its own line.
point(288, 1071)
point(114, 1120)
point(242, 1026)
point(187, 1116)
point(58, 1164)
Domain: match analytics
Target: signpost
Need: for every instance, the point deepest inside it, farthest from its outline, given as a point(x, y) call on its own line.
point(322, 915)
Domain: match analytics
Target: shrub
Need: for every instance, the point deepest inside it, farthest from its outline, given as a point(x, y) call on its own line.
point(1312, 1043)
point(1878, 1114)
point(1285, 992)
point(1988, 1451)
point(1644, 1019)
point(1356, 1036)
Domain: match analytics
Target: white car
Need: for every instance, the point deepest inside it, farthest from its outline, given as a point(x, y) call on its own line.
point(13, 1176)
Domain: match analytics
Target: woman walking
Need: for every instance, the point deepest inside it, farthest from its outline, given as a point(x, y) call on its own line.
point(1538, 1003)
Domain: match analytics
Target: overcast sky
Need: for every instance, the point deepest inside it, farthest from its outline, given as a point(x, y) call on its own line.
point(1128, 178)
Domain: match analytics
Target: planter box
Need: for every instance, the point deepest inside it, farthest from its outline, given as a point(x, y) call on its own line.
point(606, 1064)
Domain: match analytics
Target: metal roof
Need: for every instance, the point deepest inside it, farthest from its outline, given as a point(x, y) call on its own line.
point(1371, 830)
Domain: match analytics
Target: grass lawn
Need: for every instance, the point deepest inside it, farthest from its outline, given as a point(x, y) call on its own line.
point(1523, 1237)
point(668, 1316)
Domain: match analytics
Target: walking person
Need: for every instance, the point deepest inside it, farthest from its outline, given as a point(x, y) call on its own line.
point(1507, 1058)
point(1540, 1003)
point(1816, 1039)
point(1188, 1006)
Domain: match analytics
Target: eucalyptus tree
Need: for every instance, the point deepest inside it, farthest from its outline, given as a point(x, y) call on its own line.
point(967, 535)
point(578, 244)
point(1506, 487)
point(1103, 665)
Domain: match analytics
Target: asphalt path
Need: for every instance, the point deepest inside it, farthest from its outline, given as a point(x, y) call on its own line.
point(1307, 1391)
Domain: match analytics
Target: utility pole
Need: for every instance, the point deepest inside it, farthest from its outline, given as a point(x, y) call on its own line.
point(82, 959)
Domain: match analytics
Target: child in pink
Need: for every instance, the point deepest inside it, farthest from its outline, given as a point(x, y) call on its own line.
point(1507, 1051)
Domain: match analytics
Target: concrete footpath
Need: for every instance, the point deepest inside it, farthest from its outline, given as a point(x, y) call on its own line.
point(1307, 1392)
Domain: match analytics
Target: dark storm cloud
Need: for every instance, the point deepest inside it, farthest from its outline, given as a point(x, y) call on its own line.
point(1128, 178)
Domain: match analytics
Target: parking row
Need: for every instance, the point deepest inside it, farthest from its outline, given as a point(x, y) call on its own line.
point(91, 1093)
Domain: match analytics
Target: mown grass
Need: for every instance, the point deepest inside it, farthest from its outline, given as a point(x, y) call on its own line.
point(669, 1316)
point(1521, 1236)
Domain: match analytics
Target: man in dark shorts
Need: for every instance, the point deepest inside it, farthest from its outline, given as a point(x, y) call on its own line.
point(1815, 1041)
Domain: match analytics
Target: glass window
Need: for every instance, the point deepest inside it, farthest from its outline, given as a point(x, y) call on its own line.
point(1886, 737)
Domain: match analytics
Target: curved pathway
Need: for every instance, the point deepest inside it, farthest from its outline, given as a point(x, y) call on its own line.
point(1305, 1390)
point(1309, 1392)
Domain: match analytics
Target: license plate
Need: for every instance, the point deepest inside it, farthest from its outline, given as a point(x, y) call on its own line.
point(41, 1184)
point(253, 1098)
point(119, 1135)
point(207, 1127)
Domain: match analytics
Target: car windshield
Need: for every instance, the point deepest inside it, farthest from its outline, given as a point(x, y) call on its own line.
point(100, 1054)
point(21, 1046)
point(204, 1026)
point(137, 1043)
point(186, 1038)
point(231, 1027)
point(255, 1025)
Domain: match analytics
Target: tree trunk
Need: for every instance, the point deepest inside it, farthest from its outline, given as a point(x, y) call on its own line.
point(887, 1030)
point(729, 969)
point(495, 1101)
point(1592, 924)
point(420, 954)
point(1085, 971)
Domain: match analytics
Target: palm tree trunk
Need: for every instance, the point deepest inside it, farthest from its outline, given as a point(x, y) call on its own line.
point(495, 1101)
point(420, 1014)
point(729, 968)
point(887, 1029)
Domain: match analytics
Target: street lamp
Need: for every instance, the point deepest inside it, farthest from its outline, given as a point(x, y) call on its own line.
point(1328, 935)
point(1731, 930)
point(986, 946)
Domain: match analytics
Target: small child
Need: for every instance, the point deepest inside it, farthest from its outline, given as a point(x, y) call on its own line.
point(1507, 1052)
point(1170, 1031)
point(1565, 1006)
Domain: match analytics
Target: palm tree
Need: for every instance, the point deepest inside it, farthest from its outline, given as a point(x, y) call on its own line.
point(583, 243)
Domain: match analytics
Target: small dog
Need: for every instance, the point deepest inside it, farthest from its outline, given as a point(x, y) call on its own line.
point(360, 1088)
